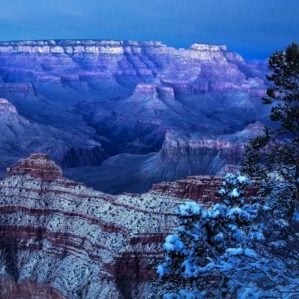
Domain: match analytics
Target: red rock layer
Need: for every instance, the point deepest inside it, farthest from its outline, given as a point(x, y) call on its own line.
point(202, 188)
point(38, 166)
point(26, 289)
point(53, 230)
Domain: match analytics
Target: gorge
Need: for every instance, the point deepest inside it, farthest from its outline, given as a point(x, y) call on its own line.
point(100, 141)
point(132, 112)
point(60, 239)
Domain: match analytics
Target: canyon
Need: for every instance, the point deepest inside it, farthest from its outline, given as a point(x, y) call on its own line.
point(135, 113)
point(61, 239)
point(100, 141)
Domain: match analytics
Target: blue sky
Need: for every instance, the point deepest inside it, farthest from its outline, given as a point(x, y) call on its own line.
point(254, 28)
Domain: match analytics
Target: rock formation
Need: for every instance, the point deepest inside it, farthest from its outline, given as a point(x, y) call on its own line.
point(37, 166)
point(72, 239)
point(181, 155)
point(201, 188)
point(91, 102)
point(6, 107)
point(60, 239)
point(21, 136)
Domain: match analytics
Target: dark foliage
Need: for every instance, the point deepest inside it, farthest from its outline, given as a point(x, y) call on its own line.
point(277, 152)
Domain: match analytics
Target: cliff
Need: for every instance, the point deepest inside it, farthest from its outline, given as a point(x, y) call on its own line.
point(59, 236)
point(60, 239)
point(88, 103)
point(182, 154)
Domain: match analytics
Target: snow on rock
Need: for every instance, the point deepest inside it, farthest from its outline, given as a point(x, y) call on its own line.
point(7, 107)
point(75, 240)
point(37, 165)
point(189, 209)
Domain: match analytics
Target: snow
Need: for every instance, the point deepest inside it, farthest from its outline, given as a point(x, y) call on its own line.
point(259, 236)
point(250, 292)
point(190, 268)
point(240, 251)
point(189, 209)
point(230, 239)
point(238, 235)
point(222, 191)
point(250, 252)
point(242, 179)
point(185, 294)
point(236, 211)
point(219, 237)
point(162, 271)
point(234, 193)
point(173, 243)
point(234, 251)
point(296, 216)
point(279, 244)
point(217, 210)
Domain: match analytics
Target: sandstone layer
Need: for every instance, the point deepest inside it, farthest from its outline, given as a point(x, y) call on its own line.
point(60, 239)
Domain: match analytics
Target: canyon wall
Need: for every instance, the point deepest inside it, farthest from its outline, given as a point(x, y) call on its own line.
point(60, 239)
point(90, 104)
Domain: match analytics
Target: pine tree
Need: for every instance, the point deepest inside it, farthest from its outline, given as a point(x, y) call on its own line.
point(237, 248)
point(246, 248)
point(200, 249)
point(277, 152)
point(274, 158)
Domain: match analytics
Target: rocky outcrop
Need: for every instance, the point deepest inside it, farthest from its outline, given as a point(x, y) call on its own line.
point(7, 107)
point(166, 93)
point(145, 90)
point(196, 154)
point(59, 235)
point(60, 239)
point(201, 188)
point(84, 155)
point(37, 166)
point(198, 68)
point(181, 155)
point(21, 136)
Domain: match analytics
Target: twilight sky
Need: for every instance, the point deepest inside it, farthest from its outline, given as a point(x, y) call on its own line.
point(254, 28)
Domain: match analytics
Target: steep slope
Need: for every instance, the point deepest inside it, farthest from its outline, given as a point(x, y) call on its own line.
point(181, 155)
point(106, 98)
point(20, 136)
point(75, 240)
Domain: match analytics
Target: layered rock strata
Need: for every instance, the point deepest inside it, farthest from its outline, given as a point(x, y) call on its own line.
point(181, 155)
point(21, 136)
point(84, 101)
point(201, 188)
point(60, 239)
point(59, 235)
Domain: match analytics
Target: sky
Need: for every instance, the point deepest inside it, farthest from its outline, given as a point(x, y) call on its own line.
point(253, 28)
